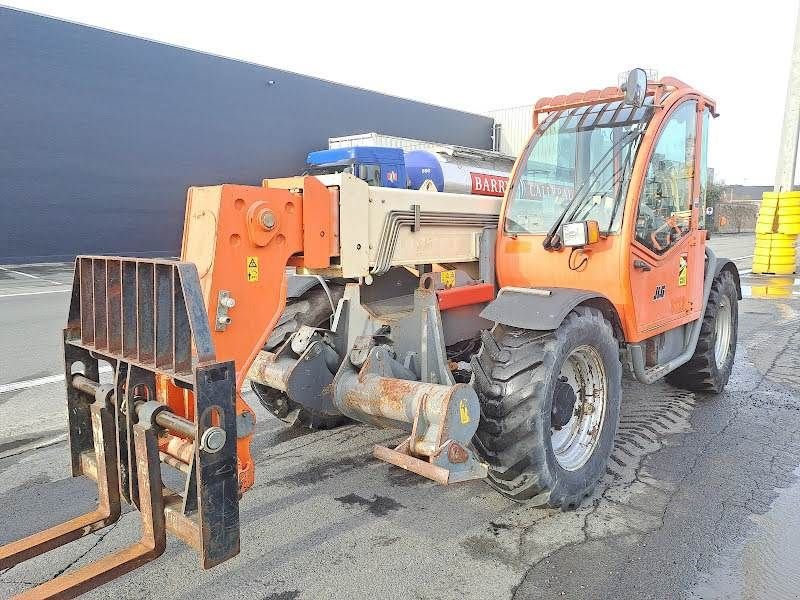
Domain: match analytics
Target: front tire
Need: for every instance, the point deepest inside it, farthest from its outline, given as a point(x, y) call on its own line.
point(312, 308)
point(549, 408)
point(710, 367)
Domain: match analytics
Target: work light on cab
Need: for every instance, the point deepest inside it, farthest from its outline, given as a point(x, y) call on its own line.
point(580, 233)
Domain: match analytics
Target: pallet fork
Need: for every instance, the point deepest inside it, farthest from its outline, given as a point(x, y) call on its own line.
point(160, 325)
point(143, 317)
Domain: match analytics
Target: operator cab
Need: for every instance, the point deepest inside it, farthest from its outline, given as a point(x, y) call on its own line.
point(609, 196)
point(378, 166)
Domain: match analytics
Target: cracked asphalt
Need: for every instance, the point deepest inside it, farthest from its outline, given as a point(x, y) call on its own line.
point(698, 500)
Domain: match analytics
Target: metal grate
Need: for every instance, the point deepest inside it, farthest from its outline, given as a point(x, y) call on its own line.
point(147, 312)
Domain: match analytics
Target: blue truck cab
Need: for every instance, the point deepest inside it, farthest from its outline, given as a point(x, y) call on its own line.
point(378, 166)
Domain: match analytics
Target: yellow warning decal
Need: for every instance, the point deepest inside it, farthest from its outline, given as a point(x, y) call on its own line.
point(252, 268)
point(448, 278)
point(463, 411)
point(683, 269)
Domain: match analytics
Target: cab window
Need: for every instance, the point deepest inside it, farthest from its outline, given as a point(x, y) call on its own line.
point(704, 169)
point(665, 206)
point(372, 174)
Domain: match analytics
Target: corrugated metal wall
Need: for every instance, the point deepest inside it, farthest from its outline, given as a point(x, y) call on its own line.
point(516, 126)
point(101, 134)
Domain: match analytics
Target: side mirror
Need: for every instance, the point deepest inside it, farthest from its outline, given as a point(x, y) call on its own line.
point(635, 87)
point(580, 233)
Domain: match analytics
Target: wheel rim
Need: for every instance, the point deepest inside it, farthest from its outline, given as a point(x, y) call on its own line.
point(574, 443)
point(723, 327)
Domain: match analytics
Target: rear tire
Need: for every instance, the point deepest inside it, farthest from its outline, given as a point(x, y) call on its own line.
point(710, 367)
point(312, 308)
point(530, 408)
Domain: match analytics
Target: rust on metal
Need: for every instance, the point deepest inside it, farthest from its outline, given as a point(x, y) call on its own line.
point(180, 449)
point(456, 453)
point(399, 400)
point(108, 500)
point(268, 370)
point(150, 546)
point(400, 457)
point(106, 437)
point(174, 463)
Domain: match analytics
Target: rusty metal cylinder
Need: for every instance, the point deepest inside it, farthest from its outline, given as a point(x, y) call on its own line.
point(182, 450)
point(441, 412)
point(84, 384)
point(175, 424)
point(394, 399)
point(270, 370)
point(164, 418)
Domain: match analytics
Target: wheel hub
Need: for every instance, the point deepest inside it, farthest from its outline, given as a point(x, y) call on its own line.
point(564, 399)
point(723, 327)
point(579, 406)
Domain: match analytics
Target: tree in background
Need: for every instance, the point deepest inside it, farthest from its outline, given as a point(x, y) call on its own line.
point(715, 193)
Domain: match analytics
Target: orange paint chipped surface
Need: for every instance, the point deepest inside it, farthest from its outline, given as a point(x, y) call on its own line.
point(241, 239)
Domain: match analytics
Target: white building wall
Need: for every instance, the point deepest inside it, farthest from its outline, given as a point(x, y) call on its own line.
point(379, 139)
point(515, 124)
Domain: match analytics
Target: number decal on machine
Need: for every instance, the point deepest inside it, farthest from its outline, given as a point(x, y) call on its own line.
point(661, 291)
point(252, 268)
point(683, 269)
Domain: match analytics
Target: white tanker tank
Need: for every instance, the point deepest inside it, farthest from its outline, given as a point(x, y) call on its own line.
point(459, 170)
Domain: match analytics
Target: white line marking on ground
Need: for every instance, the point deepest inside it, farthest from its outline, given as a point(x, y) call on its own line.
point(38, 445)
point(18, 273)
point(745, 271)
point(7, 270)
point(30, 383)
point(34, 293)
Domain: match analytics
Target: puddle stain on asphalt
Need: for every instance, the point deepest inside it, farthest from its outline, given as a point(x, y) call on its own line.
point(771, 287)
point(289, 595)
point(380, 506)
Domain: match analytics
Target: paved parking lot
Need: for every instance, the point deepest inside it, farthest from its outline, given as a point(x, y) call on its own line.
point(698, 500)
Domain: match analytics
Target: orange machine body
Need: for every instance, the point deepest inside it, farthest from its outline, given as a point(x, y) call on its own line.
point(241, 239)
point(522, 261)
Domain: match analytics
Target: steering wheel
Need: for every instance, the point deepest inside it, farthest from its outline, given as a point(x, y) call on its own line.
point(666, 234)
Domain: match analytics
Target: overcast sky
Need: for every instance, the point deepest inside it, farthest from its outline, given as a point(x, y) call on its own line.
point(478, 56)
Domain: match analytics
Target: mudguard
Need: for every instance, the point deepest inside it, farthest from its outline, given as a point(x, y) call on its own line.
point(535, 308)
point(728, 265)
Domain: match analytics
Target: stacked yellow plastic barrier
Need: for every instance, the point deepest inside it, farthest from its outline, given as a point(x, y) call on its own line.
point(776, 233)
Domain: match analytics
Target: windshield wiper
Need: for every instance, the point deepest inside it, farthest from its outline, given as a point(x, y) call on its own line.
point(596, 171)
point(625, 165)
point(585, 206)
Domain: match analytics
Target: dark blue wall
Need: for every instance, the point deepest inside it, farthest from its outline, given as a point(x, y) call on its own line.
point(101, 134)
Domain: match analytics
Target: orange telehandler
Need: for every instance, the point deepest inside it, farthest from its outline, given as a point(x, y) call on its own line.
point(494, 332)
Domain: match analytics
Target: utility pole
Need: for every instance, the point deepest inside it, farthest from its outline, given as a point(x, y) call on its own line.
point(787, 153)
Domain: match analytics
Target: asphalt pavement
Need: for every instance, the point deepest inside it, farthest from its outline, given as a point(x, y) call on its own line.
point(698, 501)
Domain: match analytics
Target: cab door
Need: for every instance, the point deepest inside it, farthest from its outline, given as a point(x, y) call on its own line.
point(667, 254)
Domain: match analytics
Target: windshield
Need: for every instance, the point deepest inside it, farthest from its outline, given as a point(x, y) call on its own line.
point(329, 169)
point(578, 164)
